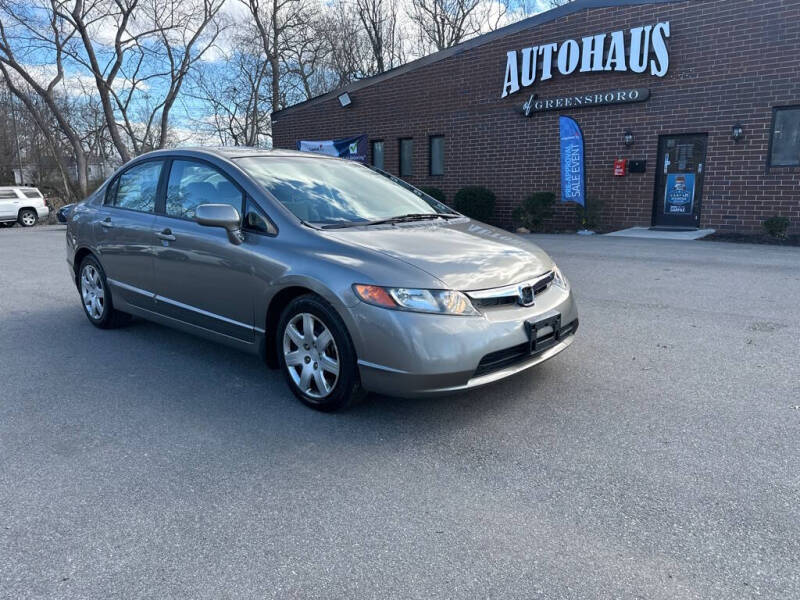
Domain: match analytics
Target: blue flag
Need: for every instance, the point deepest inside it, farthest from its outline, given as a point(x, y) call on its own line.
point(573, 179)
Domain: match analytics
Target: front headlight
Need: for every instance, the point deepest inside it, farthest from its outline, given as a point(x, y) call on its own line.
point(559, 279)
point(444, 302)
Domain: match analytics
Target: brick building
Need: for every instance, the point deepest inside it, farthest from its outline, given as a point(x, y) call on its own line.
point(701, 97)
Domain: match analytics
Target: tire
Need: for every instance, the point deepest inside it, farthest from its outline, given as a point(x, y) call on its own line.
point(323, 378)
point(96, 296)
point(27, 217)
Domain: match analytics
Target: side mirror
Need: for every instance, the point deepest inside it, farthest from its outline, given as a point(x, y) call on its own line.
point(221, 215)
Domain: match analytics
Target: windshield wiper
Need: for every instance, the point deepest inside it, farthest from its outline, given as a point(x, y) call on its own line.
point(412, 217)
point(398, 219)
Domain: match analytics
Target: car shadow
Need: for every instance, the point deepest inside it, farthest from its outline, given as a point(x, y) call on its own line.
point(188, 382)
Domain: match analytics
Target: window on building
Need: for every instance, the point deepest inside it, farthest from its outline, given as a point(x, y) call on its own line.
point(437, 155)
point(406, 157)
point(785, 142)
point(377, 154)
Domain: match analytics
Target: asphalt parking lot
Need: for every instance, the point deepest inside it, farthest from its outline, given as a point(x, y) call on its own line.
point(657, 458)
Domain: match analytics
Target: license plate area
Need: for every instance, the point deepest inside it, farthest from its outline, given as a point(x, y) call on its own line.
point(543, 332)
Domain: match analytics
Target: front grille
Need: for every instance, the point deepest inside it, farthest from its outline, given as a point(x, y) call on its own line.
point(512, 297)
point(495, 361)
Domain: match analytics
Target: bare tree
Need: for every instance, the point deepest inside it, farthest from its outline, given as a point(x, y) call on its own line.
point(275, 22)
point(379, 19)
point(38, 88)
point(444, 23)
point(236, 95)
point(306, 61)
point(155, 44)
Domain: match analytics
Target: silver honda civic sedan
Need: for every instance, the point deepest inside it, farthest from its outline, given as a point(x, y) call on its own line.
point(345, 278)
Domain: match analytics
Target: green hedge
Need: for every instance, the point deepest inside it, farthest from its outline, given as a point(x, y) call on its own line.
point(475, 202)
point(534, 210)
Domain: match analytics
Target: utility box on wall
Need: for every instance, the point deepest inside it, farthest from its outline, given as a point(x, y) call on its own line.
point(637, 166)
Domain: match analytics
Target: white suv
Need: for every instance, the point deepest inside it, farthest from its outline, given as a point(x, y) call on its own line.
point(23, 205)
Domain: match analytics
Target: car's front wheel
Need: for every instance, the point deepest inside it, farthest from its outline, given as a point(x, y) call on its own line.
point(96, 297)
point(27, 217)
point(316, 355)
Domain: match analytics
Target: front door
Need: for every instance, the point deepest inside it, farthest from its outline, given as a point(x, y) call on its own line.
point(679, 182)
point(202, 278)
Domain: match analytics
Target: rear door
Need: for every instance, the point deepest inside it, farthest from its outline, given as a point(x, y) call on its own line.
point(9, 204)
point(125, 234)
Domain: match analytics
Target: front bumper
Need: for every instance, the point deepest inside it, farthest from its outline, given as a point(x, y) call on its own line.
point(411, 354)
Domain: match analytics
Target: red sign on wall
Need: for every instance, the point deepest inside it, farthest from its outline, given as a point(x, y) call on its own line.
point(620, 167)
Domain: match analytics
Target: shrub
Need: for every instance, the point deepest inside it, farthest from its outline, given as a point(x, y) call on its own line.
point(435, 193)
point(533, 211)
point(588, 217)
point(777, 226)
point(475, 202)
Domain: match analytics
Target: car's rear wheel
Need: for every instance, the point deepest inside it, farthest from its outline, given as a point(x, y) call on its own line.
point(27, 217)
point(317, 356)
point(96, 297)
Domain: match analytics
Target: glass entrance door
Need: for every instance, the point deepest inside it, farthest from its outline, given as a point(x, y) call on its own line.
point(679, 182)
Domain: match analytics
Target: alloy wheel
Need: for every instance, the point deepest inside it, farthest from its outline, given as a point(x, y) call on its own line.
point(311, 356)
point(28, 218)
point(92, 292)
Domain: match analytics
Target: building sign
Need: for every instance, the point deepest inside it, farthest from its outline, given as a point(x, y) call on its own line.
point(351, 148)
point(573, 177)
point(536, 105)
point(638, 50)
point(679, 197)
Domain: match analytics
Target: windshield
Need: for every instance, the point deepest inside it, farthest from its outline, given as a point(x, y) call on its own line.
point(329, 192)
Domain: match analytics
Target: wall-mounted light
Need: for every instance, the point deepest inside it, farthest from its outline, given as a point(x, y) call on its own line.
point(628, 138)
point(344, 100)
point(737, 133)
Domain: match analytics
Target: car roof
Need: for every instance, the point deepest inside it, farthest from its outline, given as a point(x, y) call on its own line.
point(229, 152)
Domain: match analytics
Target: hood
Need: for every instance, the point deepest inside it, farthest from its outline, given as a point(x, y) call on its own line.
point(464, 254)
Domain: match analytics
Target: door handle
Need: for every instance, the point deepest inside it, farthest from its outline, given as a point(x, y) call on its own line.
point(166, 235)
point(106, 222)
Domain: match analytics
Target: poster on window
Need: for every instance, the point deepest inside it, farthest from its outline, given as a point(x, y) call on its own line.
point(679, 197)
point(350, 148)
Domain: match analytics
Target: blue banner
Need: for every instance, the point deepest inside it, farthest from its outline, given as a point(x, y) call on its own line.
point(351, 148)
point(573, 177)
point(679, 197)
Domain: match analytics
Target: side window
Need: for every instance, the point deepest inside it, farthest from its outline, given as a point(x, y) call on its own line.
point(256, 220)
point(8, 195)
point(406, 157)
point(785, 141)
point(136, 188)
point(377, 154)
point(437, 155)
point(192, 184)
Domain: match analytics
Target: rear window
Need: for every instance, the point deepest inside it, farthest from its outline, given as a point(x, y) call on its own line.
point(31, 193)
